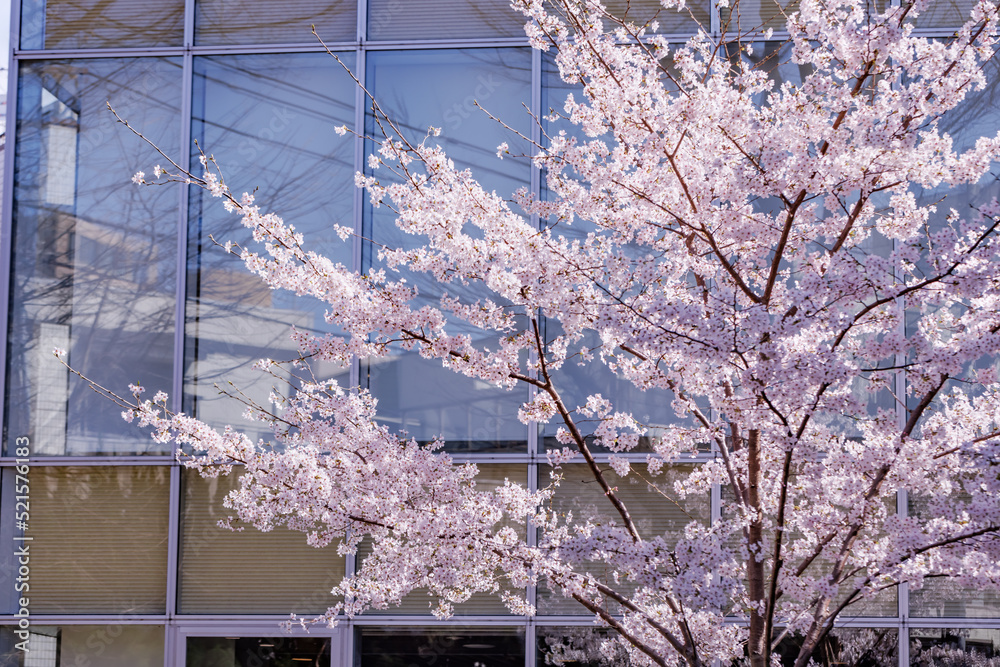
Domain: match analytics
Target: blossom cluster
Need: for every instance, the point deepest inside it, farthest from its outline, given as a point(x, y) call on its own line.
point(757, 251)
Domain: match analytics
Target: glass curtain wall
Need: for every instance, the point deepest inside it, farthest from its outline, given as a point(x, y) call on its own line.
point(129, 566)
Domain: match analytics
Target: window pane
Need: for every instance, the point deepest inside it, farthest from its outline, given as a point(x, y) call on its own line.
point(284, 22)
point(99, 539)
point(454, 647)
point(651, 501)
point(747, 16)
point(977, 116)
point(268, 120)
point(254, 651)
point(443, 19)
point(641, 12)
point(109, 645)
point(597, 647)
point(440, 89)
point(579, 647)
point(948, 599)
point(88, 24)
point(849, 647)
point(940, 646)
point(491, 476)
point(652, 408)
point(753, 15)
point(469, 19)
point(944, 13)
point(941, 597)
point(288, 575)
point(94, 256)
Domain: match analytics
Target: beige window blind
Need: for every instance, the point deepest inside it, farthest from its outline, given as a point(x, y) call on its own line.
point(99, 539)
point(111, 645)
point(250, 571)
point(274, 22)
point(651, 501)
point(491, 476)
point(941, 597)
point(750, 15)
point(75, 24)
point(944, 13)
point(883, 604)
point(641, 12)
point(463, 19)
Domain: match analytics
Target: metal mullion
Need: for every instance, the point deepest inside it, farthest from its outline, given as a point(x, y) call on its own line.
point(403, 45)
point(188, 22)
point(180, 297)
point(15, 29)
point(491, 458)
point(7, 213)
point(642, 457)
point(295, 47)
point(173, 541)
point(362, 9)
point(566, 620)
point(360, 67)
point(7, 216)
point(75, 461)
point(530, 643)
point(535, 176)
point(173, 651)
point(360, 101)
point(432, 623)
point(106, 52)
point(902, 496)
point(88, 619)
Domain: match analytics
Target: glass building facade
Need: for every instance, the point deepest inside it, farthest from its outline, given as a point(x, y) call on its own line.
point(127, 565)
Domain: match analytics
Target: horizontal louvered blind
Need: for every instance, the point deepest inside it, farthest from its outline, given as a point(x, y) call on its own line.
point(248, 572)
point(464, 19)
point(274, 21)
point(748, 15)
point(641, 12)
point(945, 13)
point(942, 597)
point(444, 19)
point(491, 476)
point(74, 24)
point(882, 604)
point(99, 539)
point(654, 507)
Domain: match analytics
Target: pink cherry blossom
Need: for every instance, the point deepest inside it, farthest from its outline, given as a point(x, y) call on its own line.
point(757, 250)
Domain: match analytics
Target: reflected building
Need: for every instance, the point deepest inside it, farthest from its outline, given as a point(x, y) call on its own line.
point(128, 566)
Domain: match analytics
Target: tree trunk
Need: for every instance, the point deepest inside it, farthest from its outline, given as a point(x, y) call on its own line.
point(758, 643)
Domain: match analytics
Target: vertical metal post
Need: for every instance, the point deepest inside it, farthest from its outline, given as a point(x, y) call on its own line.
point(7, 205)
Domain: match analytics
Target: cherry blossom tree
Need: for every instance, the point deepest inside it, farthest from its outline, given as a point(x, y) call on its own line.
point(782, 261)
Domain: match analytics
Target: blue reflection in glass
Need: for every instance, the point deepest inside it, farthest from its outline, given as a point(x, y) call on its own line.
point(94, 256)
point(268, 120)
point(442, 89)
